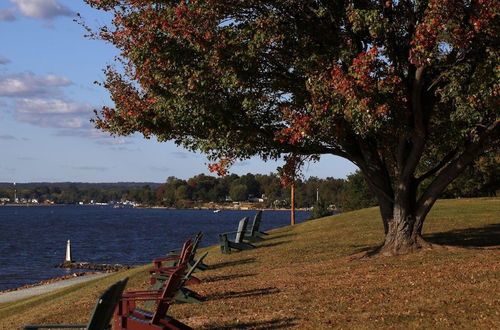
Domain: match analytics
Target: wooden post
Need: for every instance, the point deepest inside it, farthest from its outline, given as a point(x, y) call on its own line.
point(292, 198)
point(68, 252)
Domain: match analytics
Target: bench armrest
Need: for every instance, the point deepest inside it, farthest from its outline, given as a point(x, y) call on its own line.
point(230, 232)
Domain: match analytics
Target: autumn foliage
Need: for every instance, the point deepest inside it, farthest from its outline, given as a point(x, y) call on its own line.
point(406, 90)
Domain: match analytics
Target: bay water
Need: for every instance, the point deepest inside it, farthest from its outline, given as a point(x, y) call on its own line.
point(33, 238)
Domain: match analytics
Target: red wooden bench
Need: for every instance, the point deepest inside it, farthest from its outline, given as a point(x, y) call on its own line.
point(181, 261)
point(128, 316)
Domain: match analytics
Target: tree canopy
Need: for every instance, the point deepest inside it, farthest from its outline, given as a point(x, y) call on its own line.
point(407, 90)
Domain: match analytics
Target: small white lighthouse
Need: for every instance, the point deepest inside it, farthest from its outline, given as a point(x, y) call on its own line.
point(68, 252)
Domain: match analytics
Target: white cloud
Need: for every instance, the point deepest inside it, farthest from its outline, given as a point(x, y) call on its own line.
point(27, 84)
point(54, 106)
point(89, 132)
point(3, 60)
point(7, 15)
point(53, 113)
point(43, 9)
point(114, 142)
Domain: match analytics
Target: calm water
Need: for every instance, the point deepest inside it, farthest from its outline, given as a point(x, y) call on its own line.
point(33, 239)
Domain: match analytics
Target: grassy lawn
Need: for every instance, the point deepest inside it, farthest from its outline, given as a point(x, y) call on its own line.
point(309, 276)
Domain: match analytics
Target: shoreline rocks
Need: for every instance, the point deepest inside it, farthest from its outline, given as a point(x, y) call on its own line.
point(91, 266)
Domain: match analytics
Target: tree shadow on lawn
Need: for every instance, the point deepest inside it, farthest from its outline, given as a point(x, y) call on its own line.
point(225, 277)
point(273, 324)
point(267, 238)
point(272, 244)
point(470, 237)
point(243, 294)
point(364, 248)
point(233, 263)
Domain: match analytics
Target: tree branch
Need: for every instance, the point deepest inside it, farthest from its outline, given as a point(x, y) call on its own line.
point(454, 168)
point(438, 167)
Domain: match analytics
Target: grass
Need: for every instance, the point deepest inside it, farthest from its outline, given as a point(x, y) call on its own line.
point(306, 277)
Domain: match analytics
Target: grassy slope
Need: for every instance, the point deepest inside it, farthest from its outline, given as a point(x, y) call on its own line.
point(305, 276)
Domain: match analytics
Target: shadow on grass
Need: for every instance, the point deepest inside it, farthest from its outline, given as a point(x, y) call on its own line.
point(272, 244)
point(243, 294)
point(470, 237)
point(225, 277)
point(267, 238)
point(273, 324)
point(364, 248)
point(233, 263)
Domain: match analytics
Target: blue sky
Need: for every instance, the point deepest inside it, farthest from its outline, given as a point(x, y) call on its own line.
point(47, 97)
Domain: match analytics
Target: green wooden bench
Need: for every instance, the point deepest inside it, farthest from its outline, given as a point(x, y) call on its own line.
point(101, 316)
point(128, 316)
point(226, 245)
point(253, 234)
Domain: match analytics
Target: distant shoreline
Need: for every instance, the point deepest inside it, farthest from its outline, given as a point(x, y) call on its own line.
point(162, 207)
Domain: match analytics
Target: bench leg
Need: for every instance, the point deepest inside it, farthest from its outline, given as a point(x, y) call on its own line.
point(224, 244)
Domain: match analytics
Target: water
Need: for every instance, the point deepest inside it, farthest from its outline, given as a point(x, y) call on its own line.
point(33, 239)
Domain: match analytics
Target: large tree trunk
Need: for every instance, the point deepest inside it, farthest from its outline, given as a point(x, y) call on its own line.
point(403, 221)
point(404, 234)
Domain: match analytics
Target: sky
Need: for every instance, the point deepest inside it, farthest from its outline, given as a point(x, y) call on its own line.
point(47, 97)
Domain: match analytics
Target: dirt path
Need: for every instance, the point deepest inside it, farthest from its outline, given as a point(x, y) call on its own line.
point(44, 288)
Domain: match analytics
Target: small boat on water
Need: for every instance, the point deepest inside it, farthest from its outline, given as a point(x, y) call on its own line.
point(216, 211)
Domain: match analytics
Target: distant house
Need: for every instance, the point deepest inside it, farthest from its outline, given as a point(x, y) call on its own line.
point(34, 201)
point(4, 199)
point(256, 199)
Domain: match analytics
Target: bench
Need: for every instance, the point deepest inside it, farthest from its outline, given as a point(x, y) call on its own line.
point(175, 253)
point(128, 316)
point(226, 245)
point(181, 262)
point(253, 234)
point(184, 294)
point(101, 315)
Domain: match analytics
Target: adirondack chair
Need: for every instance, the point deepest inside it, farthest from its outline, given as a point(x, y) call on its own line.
point(101, 316)
point(253, 234)
point(175, 253)
point(226, 245)
point(184, 294)
point(128, 316)
point(182, 260)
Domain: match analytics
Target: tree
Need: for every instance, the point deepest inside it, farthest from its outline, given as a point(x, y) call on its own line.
point(406, 90)
point(238, 192)
point(482, 178)
point(319, 210)
point(357, 193)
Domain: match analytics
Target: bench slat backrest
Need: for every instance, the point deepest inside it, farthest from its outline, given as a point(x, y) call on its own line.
point(242, 228)
point(173, 285)
point(196, 241)
point(106, 305)
point(256, 223)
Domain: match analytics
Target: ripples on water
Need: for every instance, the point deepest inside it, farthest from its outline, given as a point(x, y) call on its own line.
point(33, 239)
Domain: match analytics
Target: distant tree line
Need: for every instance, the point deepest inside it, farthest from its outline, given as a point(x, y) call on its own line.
point(481, 179)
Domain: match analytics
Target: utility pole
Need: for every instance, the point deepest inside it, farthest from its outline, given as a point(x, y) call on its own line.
point(292, 198)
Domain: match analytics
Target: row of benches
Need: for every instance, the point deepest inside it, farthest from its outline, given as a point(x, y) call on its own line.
point(169, 276)
point(241, 235)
